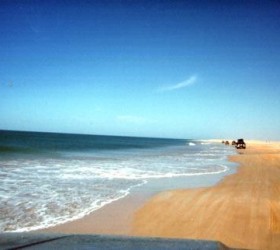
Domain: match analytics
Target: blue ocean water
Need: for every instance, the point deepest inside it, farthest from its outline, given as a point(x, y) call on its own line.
point(48, 178)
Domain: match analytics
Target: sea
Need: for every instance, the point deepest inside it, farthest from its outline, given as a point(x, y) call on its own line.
point(52, 178)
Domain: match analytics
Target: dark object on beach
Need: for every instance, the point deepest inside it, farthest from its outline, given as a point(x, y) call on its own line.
point(240, 144)
point(226, 143)
point(223, 141)
point(64, 241)
point(233, 143)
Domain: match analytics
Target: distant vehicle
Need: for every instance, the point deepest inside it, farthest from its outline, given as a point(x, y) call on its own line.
point(226, 143)
point(240, 144)
point(233, 143)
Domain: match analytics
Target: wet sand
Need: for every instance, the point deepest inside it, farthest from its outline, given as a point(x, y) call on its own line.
point(243, 210)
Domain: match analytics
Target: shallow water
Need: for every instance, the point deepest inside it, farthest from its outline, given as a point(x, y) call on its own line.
point(48, 179)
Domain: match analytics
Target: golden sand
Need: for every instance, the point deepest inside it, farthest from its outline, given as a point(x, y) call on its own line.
point(242, 211)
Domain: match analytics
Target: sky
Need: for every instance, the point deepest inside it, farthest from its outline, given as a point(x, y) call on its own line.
point(176, 69)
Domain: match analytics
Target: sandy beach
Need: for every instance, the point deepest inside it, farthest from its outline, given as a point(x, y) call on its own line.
point(242, 210)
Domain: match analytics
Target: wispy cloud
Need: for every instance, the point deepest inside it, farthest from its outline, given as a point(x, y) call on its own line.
point(191, 80)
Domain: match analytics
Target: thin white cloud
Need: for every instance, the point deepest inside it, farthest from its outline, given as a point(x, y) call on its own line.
point(191, 80)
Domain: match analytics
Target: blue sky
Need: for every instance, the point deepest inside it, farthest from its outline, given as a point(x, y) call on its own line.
point(182, 69)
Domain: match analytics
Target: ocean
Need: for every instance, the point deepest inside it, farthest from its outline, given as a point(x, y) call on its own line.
point(50, 178)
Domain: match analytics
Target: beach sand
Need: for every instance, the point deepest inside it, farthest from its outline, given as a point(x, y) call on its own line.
point(242, 210)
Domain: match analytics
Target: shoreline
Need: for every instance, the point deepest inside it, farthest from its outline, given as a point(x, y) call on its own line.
point(116, 218)
point(241, 209)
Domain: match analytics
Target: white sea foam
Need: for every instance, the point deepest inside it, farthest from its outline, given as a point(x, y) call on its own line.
point(41, 192)
point(50, 221)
